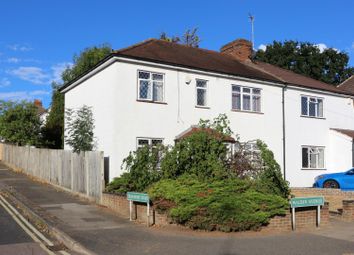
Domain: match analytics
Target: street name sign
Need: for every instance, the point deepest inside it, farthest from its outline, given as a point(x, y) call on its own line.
point(298, 202)
point(306, 201)
point(141, 198)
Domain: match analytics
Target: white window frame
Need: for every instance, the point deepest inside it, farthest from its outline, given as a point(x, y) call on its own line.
point(316, 152)
point(251, 94)
point(200, 88)
point(149, 139)
point(316, 101)
point(151, 99)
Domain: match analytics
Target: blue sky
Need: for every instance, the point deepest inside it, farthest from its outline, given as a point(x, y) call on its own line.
point(38, 38)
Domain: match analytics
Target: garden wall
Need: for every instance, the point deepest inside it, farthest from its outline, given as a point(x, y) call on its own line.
point(333, 196)
point(305, 217)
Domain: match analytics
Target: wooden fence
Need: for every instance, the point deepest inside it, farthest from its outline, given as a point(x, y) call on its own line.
point(80, 173)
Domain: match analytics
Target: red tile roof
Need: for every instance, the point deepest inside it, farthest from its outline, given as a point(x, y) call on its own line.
point(348, 84)
point(213, 132)
point(346, 132)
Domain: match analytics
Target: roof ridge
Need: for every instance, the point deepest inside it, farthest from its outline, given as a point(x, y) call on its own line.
point(149, 40)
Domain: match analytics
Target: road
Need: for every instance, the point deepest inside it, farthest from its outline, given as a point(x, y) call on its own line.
point(13, 239)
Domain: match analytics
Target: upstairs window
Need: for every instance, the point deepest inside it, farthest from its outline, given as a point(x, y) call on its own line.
point(151, 86)
point(312, 157)
point(246, 99)
point(201, 92)
point(312, 106)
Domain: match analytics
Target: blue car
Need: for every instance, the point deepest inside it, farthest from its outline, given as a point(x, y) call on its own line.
point(344, 180)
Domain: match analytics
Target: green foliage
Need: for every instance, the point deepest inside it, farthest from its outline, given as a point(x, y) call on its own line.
point(305, 58)
point(80, 126)
point(200, 153)
point(54, 126)
point(19, 123)
point(189, 38)
point(86, 60)
point(270, 179)
point(226, 205)
point(53, 132)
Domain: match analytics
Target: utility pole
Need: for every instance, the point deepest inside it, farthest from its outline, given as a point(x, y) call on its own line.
point(251, 17)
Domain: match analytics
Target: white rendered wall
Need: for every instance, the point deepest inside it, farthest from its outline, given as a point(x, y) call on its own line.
point(120, 118)
point(338, 113)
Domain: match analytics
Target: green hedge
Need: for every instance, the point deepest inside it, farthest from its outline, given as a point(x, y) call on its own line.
point(225, 205)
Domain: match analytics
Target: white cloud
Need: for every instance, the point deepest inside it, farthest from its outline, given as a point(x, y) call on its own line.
point(321, 46)
point(32, 74)
point(19, 47)
point(4, 82)
point(58, 70)
point(353, 45)
point(13, 60)
point(262, 47)
point(23, 95)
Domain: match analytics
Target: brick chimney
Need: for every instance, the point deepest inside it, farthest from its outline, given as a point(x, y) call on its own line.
point(38, 103)
point(241, 49)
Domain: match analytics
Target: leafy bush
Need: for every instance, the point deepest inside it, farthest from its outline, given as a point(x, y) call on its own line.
point(226, 205)
point(201, 154)
point(270, 178)
point(142, 168)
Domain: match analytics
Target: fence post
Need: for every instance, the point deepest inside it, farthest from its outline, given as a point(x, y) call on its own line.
point(72, 170)
point(86, 162)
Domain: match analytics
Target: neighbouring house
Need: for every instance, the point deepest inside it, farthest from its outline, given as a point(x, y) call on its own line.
point(42, 112)
point(155, 90)
point(348, 84)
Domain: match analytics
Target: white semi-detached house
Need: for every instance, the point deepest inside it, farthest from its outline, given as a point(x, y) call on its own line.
point(153, 91)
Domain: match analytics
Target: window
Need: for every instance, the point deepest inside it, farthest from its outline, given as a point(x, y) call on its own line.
point(202, 88)
point(312, 157)
point(153, 142)
point(151, 86)
point(312, 106)
point(246, 99)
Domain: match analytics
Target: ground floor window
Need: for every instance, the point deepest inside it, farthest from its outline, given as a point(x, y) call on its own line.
point(313, 157)
point(153, 142)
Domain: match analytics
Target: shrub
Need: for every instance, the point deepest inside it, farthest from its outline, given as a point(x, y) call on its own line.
point(270, 178)
point(142, 168)
point(226, 205)
point(201, 154)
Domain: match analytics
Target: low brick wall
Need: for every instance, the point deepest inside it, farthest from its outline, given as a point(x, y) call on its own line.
point(120, 205)
point(333, 196)
point(305, 217)
point(348, 210)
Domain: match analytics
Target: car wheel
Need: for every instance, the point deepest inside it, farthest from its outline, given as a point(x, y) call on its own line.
point(331, 184)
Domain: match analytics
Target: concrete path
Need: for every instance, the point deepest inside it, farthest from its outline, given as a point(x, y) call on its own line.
point(103, 232)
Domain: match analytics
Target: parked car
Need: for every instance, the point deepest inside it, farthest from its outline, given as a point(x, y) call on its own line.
point(344, 180)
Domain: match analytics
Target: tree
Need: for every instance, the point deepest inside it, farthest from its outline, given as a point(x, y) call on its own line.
point(80, 126)
point(329, 65)
point(19, 123)
point(189, 38)
point(87, 59)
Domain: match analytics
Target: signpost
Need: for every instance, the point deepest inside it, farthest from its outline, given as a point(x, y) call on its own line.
point(297, 202)
point(138, 197)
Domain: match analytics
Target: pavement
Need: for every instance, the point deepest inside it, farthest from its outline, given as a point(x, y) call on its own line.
point(101, 231)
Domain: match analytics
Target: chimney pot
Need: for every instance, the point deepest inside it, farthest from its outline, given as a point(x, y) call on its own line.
point(38, 103)
point(240, 49)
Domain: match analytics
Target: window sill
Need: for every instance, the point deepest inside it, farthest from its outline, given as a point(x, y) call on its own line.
point(233, 110)
point(202, 107)
point(311, 117)
point(321, 169)
point(151, 102)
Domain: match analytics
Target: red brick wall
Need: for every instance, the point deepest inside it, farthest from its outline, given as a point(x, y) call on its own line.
point(333, 196)
point(348, 210)
point(305, 217)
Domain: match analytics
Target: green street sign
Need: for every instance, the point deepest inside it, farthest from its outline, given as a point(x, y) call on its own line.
point(138, 197)
point(306, 201)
